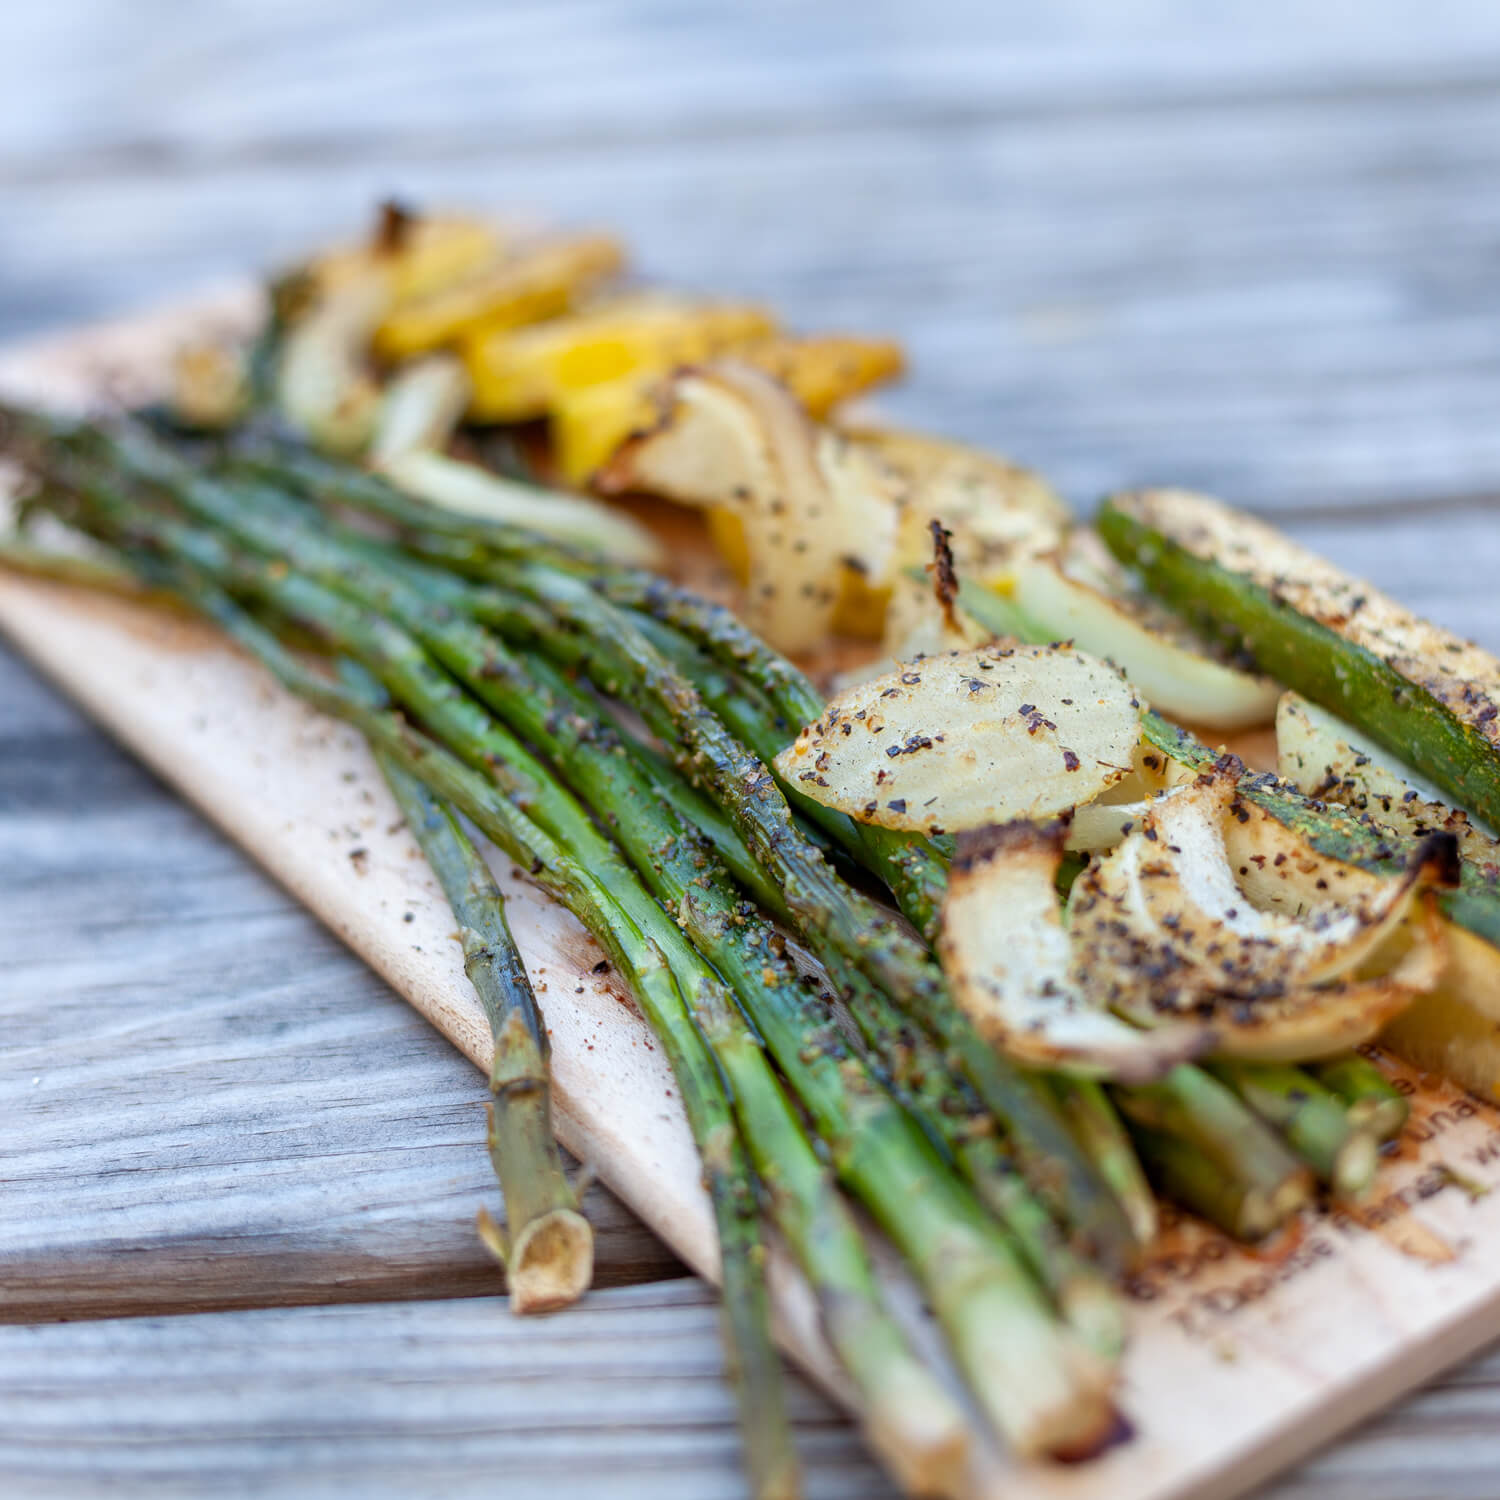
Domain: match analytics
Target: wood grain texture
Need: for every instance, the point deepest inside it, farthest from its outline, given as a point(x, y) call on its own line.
point(1252, 252)
point(208, 1100)
point(1251, 248)
point(623, 1397)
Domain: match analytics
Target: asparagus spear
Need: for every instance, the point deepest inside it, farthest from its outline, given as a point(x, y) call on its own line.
point(1096, 1123)
point(1419, 691)
point(1311, 1118)
point(837, 922)
point(548, 1253)
point(1058, 1170)
point(765, 699)
point(1036, 1391)
point(873, 1143)
point(909, 1063)
point(907, 863)
point(1374, 1102)
point(1183, 1174)
point(1225, 1140)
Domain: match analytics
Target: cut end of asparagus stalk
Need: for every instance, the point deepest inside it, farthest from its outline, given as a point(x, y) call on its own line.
point(1354, 1168)
point(1094, 1312)
point(1382, 1118)
point(1043, 1390)
point(1287, 1200)
point(920, 1436)
point(551, 1262)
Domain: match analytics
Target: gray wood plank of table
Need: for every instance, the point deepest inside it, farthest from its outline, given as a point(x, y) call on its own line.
point(207, 1100)
point(622, 1396)
point(1252, 254)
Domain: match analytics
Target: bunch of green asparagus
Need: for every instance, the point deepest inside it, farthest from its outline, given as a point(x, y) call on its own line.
point(780, 952)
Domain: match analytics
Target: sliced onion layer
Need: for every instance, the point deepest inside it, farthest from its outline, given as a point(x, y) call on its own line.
point(1211, 909)
point(970, 738)
point(810, 504)
point(1324, 757)
point(1174, 671)
point(1011, 967)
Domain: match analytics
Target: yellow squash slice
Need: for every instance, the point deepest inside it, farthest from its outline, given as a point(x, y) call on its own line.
point(531, 282)
point(417, 254)
point(523, 373)
point(588, 425)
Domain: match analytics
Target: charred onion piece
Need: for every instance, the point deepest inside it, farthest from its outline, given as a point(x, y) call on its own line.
point(970, 738)
point(1011, 965)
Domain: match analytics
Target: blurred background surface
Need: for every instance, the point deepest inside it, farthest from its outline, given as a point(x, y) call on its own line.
point(1251, 247)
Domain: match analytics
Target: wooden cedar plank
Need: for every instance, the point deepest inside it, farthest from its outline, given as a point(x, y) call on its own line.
point(208, 1101)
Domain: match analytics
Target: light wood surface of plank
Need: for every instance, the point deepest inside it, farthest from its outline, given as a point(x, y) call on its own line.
point(1255, 253)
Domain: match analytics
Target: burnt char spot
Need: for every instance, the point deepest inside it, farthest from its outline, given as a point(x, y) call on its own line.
point(975, 846)
point(912, 744)
point(1438, 854)
point(944, 576)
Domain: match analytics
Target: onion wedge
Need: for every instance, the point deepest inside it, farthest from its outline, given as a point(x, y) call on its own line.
point(970, 738)
point(1010, 964)
point(811, 504)
point(323, 383)
point(473, 491)
point(1251, 931)
point(422, 406)
point(1326, 758)
point(1172, 668)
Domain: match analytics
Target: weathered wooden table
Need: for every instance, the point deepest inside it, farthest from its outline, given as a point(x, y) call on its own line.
point(1260, 258)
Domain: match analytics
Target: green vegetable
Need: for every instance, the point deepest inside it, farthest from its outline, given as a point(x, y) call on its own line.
point(1425, 695)
point(999, 1327)
point(1311, 1118)
point(549, 1249)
